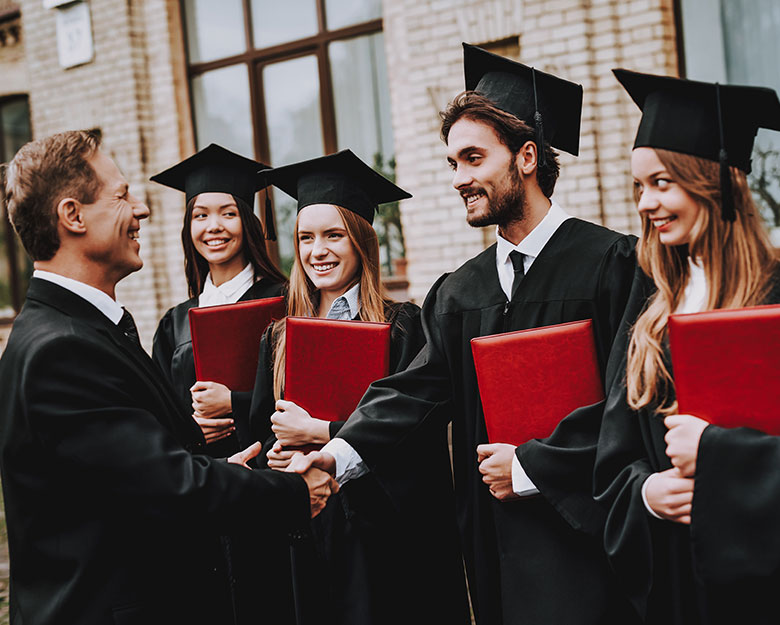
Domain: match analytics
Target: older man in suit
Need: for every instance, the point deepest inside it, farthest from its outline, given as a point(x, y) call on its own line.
point(107, 504)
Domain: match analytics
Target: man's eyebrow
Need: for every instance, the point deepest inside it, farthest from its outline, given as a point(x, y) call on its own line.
point(472, 148)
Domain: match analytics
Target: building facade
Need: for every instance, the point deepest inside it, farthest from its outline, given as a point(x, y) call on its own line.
point(285, 81)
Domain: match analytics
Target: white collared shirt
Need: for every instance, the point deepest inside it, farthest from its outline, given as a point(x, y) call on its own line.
point(349, 464)
point(530, 247)
point(100, 300)
point(352, 298)
point(228, 292)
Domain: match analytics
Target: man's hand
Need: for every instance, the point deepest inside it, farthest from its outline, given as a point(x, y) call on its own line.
point(321, 485)
point(318, 459)
point(244, 456)
point(279, 458)
point(495, 465)
point(210, 399)
point(682, 441)
point(670, 495)
point(293, 426)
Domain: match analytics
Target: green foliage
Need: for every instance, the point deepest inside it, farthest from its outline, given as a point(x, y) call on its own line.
point(764, 182)
point(388, 222)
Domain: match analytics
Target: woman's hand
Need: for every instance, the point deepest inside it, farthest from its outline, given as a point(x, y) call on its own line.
point(293, 426)
point(214, 429)
point(279, 458)
point(670, 495)
point(211, 399)
point(682, 441)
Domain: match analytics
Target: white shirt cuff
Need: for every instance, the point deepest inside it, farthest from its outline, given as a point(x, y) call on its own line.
point(349, 464)
point(521, 483)
point(644, 496)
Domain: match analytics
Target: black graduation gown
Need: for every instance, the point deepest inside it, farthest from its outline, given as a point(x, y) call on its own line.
point(172, 351)
point(385, 549)
point(548, 566)
point(103, 502)
point(238, 582)
point(725, 568)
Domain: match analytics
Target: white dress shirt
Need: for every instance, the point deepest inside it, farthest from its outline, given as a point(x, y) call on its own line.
point(228, 292)
point(349, 464)
point(347, 306)
point(694, 300)
point(100, 300)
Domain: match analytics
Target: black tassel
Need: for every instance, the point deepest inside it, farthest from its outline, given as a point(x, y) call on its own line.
point(541, 161)
point(270, 231)
point(728, 212)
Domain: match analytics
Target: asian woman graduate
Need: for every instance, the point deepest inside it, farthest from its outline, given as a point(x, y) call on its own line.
point(693, 508)
point(385, 549)
point(225, 261)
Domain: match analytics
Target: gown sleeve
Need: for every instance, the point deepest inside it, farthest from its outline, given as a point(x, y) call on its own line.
point(163, 345)
point(396, 406)
point(262, 403)
point(561, 466)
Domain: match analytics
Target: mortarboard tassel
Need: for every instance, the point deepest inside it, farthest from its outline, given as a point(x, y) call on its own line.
point(270, 232)
point(541, 161)
point(728, 212)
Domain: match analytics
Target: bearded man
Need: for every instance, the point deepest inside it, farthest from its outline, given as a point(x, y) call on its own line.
point(530, 529)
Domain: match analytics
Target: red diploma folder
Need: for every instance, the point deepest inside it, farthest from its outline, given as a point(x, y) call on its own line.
point(531, 379)
point(226, 340)
point(727, 366)
point(330, 364)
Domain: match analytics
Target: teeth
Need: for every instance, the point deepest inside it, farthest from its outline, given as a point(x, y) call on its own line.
point(472, 198)
point(662, 222)
point(133, 235)
point(215, 242)
point(325, 267)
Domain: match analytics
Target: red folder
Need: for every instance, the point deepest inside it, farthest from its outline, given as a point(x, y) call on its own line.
point(531, 379)
point(226, 340)
point(330, 364)
point(727, 366)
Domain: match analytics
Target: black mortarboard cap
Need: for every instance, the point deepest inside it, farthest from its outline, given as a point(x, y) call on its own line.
point(341, 179)
point(217, 170)
point(552, 105)
point(709, 120)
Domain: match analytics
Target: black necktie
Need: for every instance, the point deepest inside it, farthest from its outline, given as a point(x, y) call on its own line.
point(517, 262)
point(127, 325)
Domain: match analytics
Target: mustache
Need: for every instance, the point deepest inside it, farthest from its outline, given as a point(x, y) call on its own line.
point(464, 193)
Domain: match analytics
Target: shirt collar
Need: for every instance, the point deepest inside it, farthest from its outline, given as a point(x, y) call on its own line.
point(352, 297)
point(533, 244)
point(228, 292)
point(100, 300)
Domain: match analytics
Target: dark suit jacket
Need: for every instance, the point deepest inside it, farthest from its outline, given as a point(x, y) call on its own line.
point(105, 507)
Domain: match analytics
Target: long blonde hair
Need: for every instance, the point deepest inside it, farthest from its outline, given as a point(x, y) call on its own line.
point(303, 297)
point(738, 262)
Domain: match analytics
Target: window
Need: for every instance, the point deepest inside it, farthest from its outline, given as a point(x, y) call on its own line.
point(15, 266)
point(290, 81)
point(738, 42)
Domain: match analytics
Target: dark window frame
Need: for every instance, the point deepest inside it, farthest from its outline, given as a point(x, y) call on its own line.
point(255, 59)
point(8, 234)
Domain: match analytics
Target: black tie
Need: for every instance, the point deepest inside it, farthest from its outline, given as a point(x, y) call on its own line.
point(517, 262)
point(127, 325)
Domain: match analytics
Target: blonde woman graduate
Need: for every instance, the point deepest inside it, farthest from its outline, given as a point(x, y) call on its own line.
point(693, 508)
point(385, 550)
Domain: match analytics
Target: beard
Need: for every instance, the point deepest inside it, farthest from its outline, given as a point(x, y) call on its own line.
point(506, 205)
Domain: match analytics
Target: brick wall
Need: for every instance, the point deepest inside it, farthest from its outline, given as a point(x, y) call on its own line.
point(580, 40)
point(131, 91)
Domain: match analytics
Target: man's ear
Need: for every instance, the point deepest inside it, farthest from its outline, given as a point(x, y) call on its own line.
point(70, 215)
point(527, 158)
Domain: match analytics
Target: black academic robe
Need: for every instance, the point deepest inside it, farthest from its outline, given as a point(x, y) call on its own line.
point(103, 501)
point(537, 560)
point(725, 567)
point(385, 550)
point(172, 351)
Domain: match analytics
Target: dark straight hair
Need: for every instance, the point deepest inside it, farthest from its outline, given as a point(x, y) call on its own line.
point(253, 248)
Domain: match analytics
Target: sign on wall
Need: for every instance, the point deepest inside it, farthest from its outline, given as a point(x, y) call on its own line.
point(74, 32)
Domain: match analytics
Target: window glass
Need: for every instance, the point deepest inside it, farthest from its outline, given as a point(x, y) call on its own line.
point(222, 109)
point(292, 107)
point(275, 22)
point(340, 13)
point(214, 29)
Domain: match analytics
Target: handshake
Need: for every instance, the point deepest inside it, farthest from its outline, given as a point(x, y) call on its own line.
point(316, 468)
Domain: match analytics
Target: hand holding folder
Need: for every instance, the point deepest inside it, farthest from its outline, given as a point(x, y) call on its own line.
point(726, 366)
point(531, 379)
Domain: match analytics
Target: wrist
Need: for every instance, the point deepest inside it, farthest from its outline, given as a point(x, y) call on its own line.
point(321, 431)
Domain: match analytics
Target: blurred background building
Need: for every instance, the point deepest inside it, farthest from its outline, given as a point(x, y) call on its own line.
point(283, 81)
